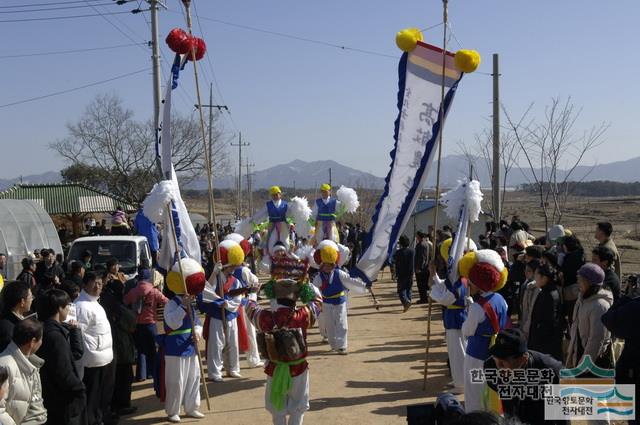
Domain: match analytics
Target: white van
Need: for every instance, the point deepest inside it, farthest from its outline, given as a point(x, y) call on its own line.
point(131, 251)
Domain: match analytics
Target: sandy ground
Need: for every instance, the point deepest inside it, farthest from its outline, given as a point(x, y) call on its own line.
point(372, 385)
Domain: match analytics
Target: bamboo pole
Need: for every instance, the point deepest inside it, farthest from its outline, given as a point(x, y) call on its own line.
point(208, 158)
point(437, 195)
point(189, 311)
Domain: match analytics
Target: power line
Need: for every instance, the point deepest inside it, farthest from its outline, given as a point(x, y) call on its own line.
point(64, 52)
point(31, 99)
point(296, 37)
point(46, 4)
point(53, 8)
point(102, 15)
point(57, 18)
point(213, 73)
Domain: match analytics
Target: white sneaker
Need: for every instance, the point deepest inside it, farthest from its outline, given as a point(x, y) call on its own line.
point(174, 418)
point(215, 378)
point(196, 414)
point(255, 365)
point(234, 375)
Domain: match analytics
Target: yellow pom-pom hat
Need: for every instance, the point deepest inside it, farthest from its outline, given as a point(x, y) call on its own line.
point(327, 252)
point(408, 38)
point(274, 190)
point(446, 246)
point(467, 61)
point(193, 277)
point(244, 244)
point(485, 269)
point(231, 253)
point(325, 186)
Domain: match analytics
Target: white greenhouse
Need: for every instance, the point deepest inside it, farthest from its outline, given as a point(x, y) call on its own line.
point(24, 227)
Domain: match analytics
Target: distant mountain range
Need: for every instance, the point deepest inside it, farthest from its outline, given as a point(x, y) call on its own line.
point(305, 175)
point(300, 174)
point(48, 177)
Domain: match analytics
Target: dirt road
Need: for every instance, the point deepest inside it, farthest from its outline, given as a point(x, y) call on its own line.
point(372, 385)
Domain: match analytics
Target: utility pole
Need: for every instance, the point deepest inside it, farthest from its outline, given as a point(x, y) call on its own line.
point(240, 144)
point(329, 176)
point(211, 107)
point(249, 191)
point(495, 181)
point(155, 59)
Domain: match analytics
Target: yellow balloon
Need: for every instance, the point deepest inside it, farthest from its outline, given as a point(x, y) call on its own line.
point(465, 264)
point(467, 60)
point(408, 38)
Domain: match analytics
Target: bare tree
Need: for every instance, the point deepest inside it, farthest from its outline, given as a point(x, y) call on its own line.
point(108, 139)
point(553, 151)
point(482, 150)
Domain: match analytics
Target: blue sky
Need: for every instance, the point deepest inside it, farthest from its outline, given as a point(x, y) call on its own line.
point(295, 99)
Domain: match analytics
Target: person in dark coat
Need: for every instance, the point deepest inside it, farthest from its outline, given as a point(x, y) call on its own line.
point(510, 352)
point(421, 260)
point(572, 261)
point(76, 273)
point(26, 275)
point(16, 303)
point(48, 269)
point(622, 320)
point(123, 324)
point(547, 319)
point(403, 260)
point(62, 389)
point(605, 257)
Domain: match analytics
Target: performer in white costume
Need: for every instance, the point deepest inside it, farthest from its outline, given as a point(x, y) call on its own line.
point(277, 215)
point(250, 282)
point(182, 371)
point(454, 297)
point(334, 285)
point(486, 316)
point(326, 210)
point(285, 326)
point(223, 292)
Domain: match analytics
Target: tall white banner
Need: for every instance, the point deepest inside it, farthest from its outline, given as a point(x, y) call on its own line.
point(416, 134)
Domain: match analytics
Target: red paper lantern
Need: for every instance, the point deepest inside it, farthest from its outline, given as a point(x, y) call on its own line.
point(179, 41)
point(200, 47)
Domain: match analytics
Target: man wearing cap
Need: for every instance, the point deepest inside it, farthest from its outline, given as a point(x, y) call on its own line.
point(510, 353)
point(588, 335)
point(334, 285)
point(486, 316)
point(287, 389)
point(220, 301)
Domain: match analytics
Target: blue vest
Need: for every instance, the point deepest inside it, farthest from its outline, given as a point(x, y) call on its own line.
point(178, 342)
point(237, 273)
point(334, 293)
point(478, 343)
point(455, 314)
point(326, 212)
point(214, 309)
point(277, 214)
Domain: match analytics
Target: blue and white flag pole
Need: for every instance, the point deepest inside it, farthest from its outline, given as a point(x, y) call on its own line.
point(168, 191)
point(416, 133)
